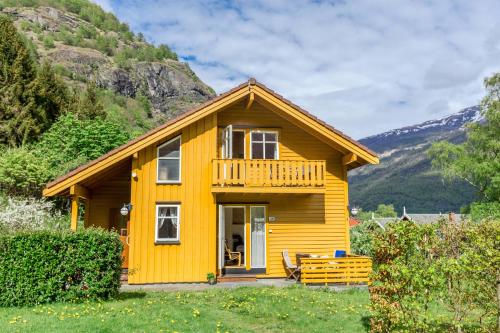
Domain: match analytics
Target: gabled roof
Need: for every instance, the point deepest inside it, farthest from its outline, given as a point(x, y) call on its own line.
point(357, 154)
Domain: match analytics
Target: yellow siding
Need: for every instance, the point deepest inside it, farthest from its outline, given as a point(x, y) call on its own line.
point(195, 256)
point(111, 193)
point(304, 223)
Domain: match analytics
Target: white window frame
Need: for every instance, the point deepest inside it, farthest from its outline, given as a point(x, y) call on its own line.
point(227, 142)
point(264, 143)
point(168, 240)
point(158, 158)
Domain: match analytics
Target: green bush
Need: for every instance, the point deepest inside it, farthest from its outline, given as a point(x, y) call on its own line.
point(437, 277)
point(362, 237)
point(48, 42)
point(25, 170)
point(47, 266)
point(485, 210)
point(87, 139)
point(22, 172)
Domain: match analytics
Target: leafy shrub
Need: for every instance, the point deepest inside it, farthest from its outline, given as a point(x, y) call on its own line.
point(23, 172)
point(69, 143)
point(144, 53)
point(75, 138)
point(48, 266)
point(362, 237)
point(106, 44)
point(29, 214)
point(66, 36)
point(402, 257)
point(85, 31)
point(420, 266)
point(48, 42)
point(485, 210)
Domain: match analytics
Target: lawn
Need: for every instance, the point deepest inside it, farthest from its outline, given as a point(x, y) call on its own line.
point(245, 309)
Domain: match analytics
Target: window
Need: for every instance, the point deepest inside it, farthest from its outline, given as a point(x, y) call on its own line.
point(238, 144)
point(167, 223)
point(264, 145)
point(169, 161)
point(233, 142)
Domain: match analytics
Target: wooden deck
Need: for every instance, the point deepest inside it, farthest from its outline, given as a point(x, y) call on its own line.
point(349, 270)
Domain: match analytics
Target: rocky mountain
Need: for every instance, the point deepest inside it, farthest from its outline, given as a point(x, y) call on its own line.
point(85, 43)
point(404, 176)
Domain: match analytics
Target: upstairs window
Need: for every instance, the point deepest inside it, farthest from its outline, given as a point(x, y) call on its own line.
point(233, 143)
point(169, 161)
point(264, 145)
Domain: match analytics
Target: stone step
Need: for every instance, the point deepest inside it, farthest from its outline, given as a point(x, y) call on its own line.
point(237, 278)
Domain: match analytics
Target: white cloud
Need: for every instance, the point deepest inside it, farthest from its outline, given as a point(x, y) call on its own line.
point(363, 66)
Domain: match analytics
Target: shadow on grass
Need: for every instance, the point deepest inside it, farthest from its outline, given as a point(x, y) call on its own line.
point(365, 320)
point(130, 295)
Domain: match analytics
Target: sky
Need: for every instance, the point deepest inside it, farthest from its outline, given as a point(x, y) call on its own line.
point(363, 66)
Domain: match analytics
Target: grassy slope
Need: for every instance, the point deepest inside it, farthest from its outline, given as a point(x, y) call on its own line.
point(409, 183)
point(244, 309)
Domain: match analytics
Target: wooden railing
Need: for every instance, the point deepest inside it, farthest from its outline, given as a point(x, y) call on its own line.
point(285, 173)
point(355, 269)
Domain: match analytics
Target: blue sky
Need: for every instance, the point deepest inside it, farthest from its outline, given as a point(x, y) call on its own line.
point(362, 66)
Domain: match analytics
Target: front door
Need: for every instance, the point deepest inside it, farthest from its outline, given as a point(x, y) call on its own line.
point(258, 236)
point(252, 231)
point(124, 238)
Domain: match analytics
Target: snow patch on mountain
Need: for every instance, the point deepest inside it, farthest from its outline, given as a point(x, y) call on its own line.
point(455, 121)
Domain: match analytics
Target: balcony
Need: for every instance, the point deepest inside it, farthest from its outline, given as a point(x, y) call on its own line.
point(268, 176)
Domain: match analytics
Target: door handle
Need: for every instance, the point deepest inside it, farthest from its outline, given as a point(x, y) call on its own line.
point(126, 240)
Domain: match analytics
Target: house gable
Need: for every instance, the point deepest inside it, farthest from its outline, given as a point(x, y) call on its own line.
point(355, 154)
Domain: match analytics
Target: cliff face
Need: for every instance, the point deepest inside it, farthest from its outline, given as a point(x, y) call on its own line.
point(127, 65)
point(169, 86)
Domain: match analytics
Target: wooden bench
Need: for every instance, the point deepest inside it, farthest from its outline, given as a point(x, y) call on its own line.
point(349, 270)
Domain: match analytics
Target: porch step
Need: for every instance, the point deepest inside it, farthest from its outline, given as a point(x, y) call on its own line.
point(237, 278)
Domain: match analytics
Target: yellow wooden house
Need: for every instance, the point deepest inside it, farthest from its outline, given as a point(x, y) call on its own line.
point(225, 187)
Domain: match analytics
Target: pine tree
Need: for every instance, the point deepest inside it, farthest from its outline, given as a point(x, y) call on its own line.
point(49, 98)
point(90, 106)
point(17, 71)
point(30, 99)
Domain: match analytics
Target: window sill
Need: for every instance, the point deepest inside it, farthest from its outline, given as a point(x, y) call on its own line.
point(166, 182)
point(165, 242)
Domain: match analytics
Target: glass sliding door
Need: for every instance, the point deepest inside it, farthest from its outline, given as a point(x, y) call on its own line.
point(258, 236)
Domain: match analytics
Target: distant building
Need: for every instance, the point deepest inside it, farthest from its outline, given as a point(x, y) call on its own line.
point(417, 218)
point(353, 221)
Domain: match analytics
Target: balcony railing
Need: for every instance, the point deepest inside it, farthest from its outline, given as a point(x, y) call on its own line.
point(268, 173)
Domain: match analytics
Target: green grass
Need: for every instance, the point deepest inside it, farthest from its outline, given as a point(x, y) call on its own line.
point(245, 309)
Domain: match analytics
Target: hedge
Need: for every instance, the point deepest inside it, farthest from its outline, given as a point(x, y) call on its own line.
point(52, 266)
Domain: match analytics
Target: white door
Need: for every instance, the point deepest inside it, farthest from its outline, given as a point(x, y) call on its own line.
point(221, 238)
point(227, 142)
point(258, 236)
